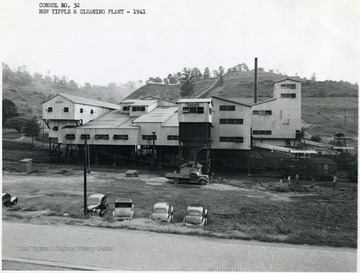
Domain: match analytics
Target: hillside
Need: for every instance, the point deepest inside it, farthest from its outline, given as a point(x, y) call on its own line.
point(323, 105)
point(29, 91)
point(168, 92)
point(326, 105)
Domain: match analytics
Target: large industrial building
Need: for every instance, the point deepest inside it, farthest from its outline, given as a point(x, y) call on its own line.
point(218, 132)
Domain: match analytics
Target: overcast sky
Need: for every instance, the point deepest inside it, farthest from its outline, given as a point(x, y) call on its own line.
point(303, 37)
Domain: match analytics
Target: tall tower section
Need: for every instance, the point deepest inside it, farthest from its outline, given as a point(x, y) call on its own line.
point(195, 130)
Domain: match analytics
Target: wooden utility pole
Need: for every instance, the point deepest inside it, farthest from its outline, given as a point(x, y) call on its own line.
point(85, 161)
point(153, 150)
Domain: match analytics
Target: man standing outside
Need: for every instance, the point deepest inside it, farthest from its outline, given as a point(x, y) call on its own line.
point(334, 181)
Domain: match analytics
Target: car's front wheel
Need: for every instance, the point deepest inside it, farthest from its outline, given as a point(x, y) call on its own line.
point(203, 181)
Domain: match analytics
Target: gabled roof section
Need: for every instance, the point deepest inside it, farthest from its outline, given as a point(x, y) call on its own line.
point(158, 115)
point(156, 98)
point(193, 100)
point(112, 120)
point(81, 100)
point(264, 101)
point(287, 79)
point(232, 101)
point(139, 102)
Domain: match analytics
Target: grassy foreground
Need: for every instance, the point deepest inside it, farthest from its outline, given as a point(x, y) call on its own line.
point(239, 207)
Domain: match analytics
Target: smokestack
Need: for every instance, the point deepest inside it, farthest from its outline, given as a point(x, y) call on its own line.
point(255, 85)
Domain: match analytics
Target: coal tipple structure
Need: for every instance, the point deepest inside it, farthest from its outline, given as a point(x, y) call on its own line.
point(216, 132)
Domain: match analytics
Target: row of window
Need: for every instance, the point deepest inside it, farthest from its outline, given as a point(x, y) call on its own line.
point(138, 108)
point(193, 110)
point(262, 112)
point(261, 132)
point(288, 95)
point(288, 86)
point(231, 139)
point(121, 137)
point(231, 121)
point(66, 110)
point(227, 107)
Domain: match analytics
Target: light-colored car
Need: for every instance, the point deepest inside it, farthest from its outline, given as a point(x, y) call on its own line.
point(8, 200)
point(97, 204)
point(162, 212)
point(124, 209)
point(196, 215)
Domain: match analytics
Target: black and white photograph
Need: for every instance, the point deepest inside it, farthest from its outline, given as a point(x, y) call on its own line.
point(154, 135)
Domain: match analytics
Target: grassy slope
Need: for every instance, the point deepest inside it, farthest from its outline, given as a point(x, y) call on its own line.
point(168, 92)
point(29, 100)
point(323, 116)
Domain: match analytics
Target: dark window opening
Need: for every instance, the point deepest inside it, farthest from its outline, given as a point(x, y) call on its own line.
point(261, 132)
point(288, 95)
point(91, 111)
point(85, 136)
point(101, 136)
point(288, 86)
point(232, 139)
point(171, 137)
point(123, 137)
point(126, 108)
point(66, 109)
point(138, 108)
point(227, 107)
point(55, 128)
point(231, 121)
point(70, 136)
point(81, 110)
point(149, 137)
point(49, 109)
point(262, 112)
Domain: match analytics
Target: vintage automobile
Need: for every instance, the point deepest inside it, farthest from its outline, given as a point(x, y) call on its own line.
point(162, 212)
point(97, 204)
point(196, 215)
point(8, 200)
point(124, 209)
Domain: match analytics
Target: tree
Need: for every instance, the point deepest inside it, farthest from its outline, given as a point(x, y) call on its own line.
point(196, 74)
point(215, 73)
point(187, 86)
point(221, 70)
point(9, 110)
point(206, 73)
point(313, 77)
point(73, 85)
point(32, 129)
point(16, 123)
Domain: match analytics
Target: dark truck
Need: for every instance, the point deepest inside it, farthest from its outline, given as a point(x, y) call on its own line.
point(189, 173)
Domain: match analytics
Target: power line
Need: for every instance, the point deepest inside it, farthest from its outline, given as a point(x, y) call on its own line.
point(18, 88)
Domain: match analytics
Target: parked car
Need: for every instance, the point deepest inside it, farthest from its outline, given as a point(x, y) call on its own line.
point(97, 204)
point(196, 215)
point(124, 209)
point(162, 212)
point(8, 200)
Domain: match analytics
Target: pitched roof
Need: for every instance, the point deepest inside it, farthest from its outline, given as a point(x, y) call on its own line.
point(287, 79)
point(194, 100)
point(264, 101)
point(81, 100)
point(232, 101)
point(158, 115)
point(112, 120)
